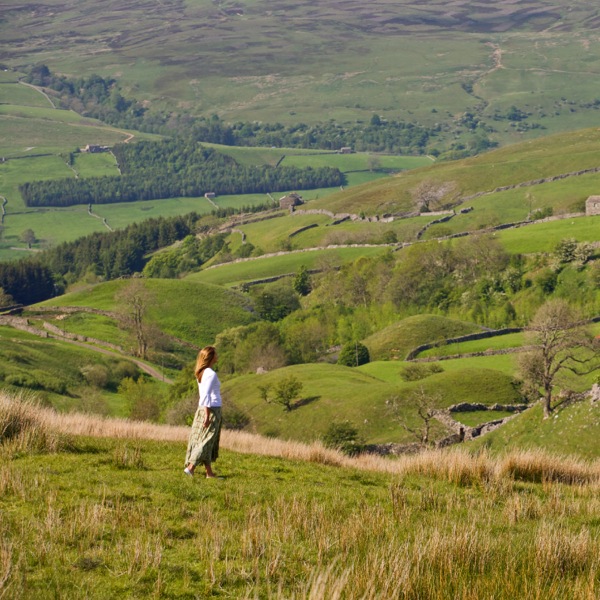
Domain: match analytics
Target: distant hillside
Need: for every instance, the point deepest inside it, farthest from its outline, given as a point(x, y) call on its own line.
point(194, 312)
point(471, 69)
point(454, 182)
point(396, 341)
point(572, 430)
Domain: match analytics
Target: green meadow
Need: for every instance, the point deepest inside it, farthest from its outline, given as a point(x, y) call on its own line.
point(375, 399)
point(106, 517)
point(193, 311)
point(239, 272)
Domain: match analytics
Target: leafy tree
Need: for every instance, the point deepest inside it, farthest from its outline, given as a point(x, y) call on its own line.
point(143, 399)
point(353, 354)
point(561, 343)
point(343, 436)
point(287, 390)
point(302, 283)
point(28, 237)
point(5, 299)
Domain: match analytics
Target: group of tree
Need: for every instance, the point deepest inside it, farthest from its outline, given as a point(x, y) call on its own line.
point(102, 98)
point(106, 255)
point(174, 168)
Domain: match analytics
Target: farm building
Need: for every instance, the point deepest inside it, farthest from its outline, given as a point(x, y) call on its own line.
point(94, 149)
point(209, 195)
point(290, 201)
point(592, 205)
point(346, 150)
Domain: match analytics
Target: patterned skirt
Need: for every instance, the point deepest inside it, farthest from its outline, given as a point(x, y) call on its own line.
point(203, 445)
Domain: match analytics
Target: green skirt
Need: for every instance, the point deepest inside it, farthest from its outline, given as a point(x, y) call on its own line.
point(203, 445)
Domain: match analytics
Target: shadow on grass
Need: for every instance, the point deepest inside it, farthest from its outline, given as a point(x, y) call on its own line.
point(304, 402)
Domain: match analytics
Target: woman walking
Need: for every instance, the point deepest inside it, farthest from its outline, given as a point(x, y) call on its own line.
point(203, 445)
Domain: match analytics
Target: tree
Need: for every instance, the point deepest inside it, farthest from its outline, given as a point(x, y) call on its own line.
point(286, 390)
point(561, 343)
point(135, 299)
point(302, 283)
point(5, 299)
point(343, 436)
point(425, 403)
point(28, 237)
point(354, 354)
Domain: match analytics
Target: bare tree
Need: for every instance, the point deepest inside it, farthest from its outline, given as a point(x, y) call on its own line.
point(429, 195)
point(425, 404)
point(135, 299)
point(562, 342)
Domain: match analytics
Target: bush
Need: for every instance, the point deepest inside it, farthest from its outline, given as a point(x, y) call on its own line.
point(235, 418)
point(343, 436)
point(96, 375)
point(418, 371)
point(354, 354)
point(22, 380)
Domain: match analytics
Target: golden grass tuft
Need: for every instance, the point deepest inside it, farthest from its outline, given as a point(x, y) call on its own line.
point(39, 428)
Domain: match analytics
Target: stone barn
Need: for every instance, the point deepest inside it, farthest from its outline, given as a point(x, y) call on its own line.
point(290, 201)
point(592, 206)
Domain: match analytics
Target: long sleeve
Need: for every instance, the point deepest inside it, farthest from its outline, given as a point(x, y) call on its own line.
point(209, 389)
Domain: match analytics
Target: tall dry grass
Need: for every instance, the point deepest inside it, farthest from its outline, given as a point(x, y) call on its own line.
point(454, 526)
point(456, 465)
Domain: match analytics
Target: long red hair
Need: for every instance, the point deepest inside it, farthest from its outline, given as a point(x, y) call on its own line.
point(204, 360)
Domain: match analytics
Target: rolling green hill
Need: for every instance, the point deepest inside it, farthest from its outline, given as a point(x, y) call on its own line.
point(572, 430)
point(396, 341)
point(373, 401)
point(190, 311)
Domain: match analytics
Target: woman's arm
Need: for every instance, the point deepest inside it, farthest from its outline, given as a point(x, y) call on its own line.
point(207, 412)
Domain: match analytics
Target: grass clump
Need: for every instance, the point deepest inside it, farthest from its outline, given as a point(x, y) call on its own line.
point(22, 430)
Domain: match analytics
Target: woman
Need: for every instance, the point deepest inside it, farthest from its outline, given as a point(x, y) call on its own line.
point(203, 446)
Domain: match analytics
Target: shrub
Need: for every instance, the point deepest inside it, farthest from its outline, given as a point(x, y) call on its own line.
point(354, 354)
point(96, 375)
point(22, 429)
point(418, 371)
point(21, 379)
point(235, 418)
point(343, 436)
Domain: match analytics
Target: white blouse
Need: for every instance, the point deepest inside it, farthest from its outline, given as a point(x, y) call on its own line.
point(210, 389)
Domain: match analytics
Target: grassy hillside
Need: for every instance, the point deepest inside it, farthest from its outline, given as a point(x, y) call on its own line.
point(372, 401)
point(191, 311)
point(338, 60)
point(528, 161)
point(236, 273)
point(396, 341)
point(53, 372)
point(572, 430)
point(311, 525)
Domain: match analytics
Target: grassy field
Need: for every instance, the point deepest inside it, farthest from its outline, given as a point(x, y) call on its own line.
point(396, 341)
point(255, 66)
point(235, 273)
point(189, 310)
point(572, 430)
point(500, 342)
point(543, 237)
point(286, 521)
point(51, 371)
point(374, 398)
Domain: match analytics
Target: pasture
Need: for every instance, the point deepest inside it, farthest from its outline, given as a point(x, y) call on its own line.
point(236, 273)
point(255, 67)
